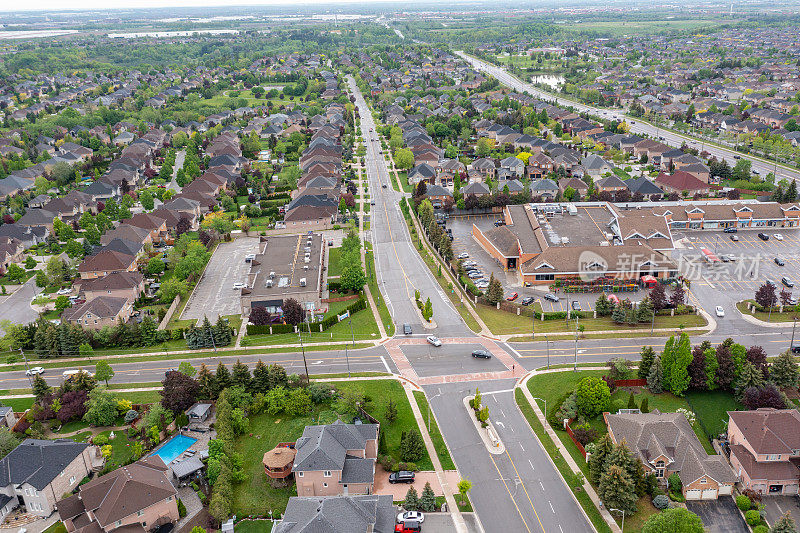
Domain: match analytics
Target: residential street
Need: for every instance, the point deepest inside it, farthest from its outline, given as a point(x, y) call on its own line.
point(16, 308)
point(636, 125)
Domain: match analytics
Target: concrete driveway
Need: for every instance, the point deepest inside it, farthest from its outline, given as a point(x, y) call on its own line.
point(398, 490)
point(776, 506)
point(719, 516)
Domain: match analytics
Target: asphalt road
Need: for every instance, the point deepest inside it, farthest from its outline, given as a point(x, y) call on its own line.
point(16, 308)
point(636, 125)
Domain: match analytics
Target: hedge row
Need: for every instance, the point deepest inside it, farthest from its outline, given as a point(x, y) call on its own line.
point(316, 327)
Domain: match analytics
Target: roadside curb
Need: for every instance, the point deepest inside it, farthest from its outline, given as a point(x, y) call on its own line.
point(482, 432)
point(573, 466)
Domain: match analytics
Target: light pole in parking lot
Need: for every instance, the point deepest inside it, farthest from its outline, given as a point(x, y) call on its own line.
point(791, 344)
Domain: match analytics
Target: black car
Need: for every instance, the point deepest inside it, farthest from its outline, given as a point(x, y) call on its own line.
point(730, 230)
point(407, 329)
point(786, 281)
point(403, 476)
point(481, 354)
point(780, 262)
point(528, 300)
point(498, 223)
point(763, 236)
point(796, 348)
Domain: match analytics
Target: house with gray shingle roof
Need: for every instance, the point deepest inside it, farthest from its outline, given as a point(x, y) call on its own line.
point(336, 459)
point(338, 514)
point(667, 444)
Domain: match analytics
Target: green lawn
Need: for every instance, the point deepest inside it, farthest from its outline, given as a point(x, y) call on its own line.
point(257, 496)
point(775, 316)
point(383, 311)
point(253, 526)
point(363, 328)
point(436, 435)
point(58, 527)
point(505, 323)
point(711, 409)
point(19, 405)
point(334, 262)
point(120, 449)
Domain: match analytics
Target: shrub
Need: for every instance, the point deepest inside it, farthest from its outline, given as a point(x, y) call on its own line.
point(100, 440)
point(761, 529)
point(593, 396)
point(181, 508)
point(675, 483)
point(584, 434)
point(661, 502)
point(752, 517)
point(743, 503)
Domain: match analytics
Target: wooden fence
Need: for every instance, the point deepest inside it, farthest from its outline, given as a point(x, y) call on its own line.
point(631, 382)
point(572, 436)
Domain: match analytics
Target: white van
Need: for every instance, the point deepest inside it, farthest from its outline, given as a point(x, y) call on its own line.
point(69, 373)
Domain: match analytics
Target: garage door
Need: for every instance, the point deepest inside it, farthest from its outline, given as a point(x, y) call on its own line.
point(790, 489)
point(709, 494)
point(693, 494)
point(725, 489)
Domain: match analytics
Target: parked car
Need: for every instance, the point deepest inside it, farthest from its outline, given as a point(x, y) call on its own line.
point(403, 476)
point(778, 236)
point(528, 300)
point(780, 262)
point(432, 339)
point(409, 526)
point(498, 223)
point(407, 329)
point(576, 305)
point(720, 311)
point(787, 282)
point(416, 516)
point(249, 258)
point(763, 236)
point(239, 285)
point(65, 290)
point(475, 275)
point(511, 297)
point(34, 371)
point(551, 297)
point(481, 354)
point(735, 238)
point(384, 185)
point(730, 230)
point(463, 255)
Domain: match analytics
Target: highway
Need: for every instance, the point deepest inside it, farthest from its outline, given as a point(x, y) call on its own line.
point(636, 126)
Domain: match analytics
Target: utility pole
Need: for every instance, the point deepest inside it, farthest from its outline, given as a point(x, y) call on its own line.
point(791, 345)
point(30, 381)
point(575, 366)
point(305, 364)
point(350, 322)
point(348, 361)
point(653, 323)
point(547, 342)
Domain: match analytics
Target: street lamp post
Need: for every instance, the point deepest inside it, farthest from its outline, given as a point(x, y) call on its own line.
point(791, 344)
point(575, 366)
point(429, 409)
point(545, 406)
point(547, 342)
point(623, 516)
point(305, 364)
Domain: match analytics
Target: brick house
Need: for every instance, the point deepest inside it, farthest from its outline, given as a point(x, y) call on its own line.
point(106, 262)
point(135, 498)
point(37, 472)
point(336, 459)
point(765, 449)
point(667, 444)
point(99, 312)
point(129, 285)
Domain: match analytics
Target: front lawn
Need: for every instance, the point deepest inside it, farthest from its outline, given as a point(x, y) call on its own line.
point(363, 328)
point(253, 526)
point(334, 262)
point(257, 497)
point(436, 435)
point(775, 316)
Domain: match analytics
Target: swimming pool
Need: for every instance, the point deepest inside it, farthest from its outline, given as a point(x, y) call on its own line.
point(174, 447)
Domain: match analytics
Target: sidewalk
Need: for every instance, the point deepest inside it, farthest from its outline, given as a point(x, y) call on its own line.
point(566, 455)
point(458, 519)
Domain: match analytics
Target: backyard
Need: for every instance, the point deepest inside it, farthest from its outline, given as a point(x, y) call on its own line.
point(257, 496)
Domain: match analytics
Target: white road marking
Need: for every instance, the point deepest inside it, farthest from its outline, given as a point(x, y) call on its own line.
point(541, 485)
point(386, 365)
point(531, 463)
point(551, 506)
point(523, 449)
point(502, 413)
point(501, 424)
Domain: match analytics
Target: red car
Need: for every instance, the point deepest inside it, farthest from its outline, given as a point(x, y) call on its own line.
point(513, 296)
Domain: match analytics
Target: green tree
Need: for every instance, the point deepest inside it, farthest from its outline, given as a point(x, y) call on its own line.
point(146, 199)
point(411, 501)
point(667, 360)
point(679, 374)
point(8, 441)
point(750, 377)
point(494, 292)
point(412, 447)
point(16, 273)
point(403, 158)
point(241, 375)
point(712, 364)
point(187, 369)
point(464, 486)
point(784, 372)
point(617, 490)
point(40, 387)
point(391, 411)
point(785, 523)
point(427, 500)
point(597, 459)
point(62, 302)
point(675, 520)
point(155, 266)
point(593, 396)
point(101, 407)
point(647, 355)
point(103, 371)
point(655, 379)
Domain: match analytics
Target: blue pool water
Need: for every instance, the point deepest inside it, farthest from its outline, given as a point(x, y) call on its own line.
point(174, 447)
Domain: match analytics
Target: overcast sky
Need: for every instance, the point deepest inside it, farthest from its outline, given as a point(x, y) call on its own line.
point(50, 5)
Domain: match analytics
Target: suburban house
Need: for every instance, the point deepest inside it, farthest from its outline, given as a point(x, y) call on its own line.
point(106, 262)
point(667, 444)
point(765, 449)
point(134, 498)
point(336, 459)
point(99, 312)
point(129, 285)
point(354, 514)
point(38, 472)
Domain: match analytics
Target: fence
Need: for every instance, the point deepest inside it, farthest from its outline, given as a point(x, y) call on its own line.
point(170, 311)
point(631, 382)
point(572, 436)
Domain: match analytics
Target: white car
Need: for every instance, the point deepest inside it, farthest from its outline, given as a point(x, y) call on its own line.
point(463, 255)
point(778, 236)
point(64, 291)
point(720, 311)
point(239, 285)
point(35, 371)
point(415, 516)
point(434, 340)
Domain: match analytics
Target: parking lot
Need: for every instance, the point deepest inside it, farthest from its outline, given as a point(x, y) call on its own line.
point(751, 264)
point(214, 295)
